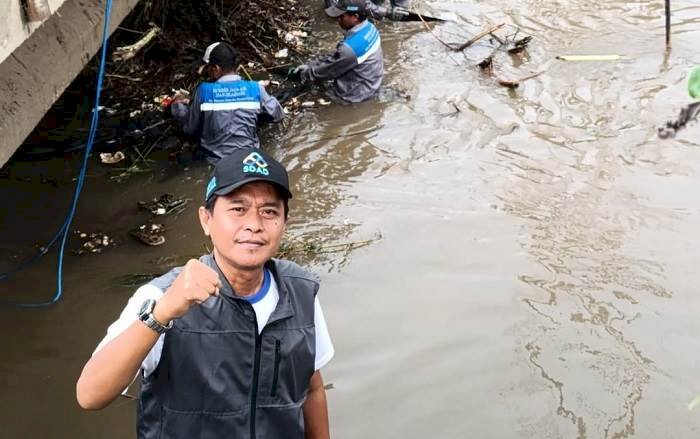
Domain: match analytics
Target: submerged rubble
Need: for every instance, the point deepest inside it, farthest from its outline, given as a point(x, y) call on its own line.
point(93, 242)
point(150, 234)
point(164, 205)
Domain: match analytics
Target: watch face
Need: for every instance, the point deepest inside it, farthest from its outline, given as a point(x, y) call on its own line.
point(146, 308)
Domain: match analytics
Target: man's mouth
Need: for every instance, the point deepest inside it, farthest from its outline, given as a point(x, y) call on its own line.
point(251, 243)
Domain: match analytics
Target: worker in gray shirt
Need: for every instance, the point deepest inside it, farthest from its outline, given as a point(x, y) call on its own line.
point(225, 113)
point(356, 67)
point(396, 11)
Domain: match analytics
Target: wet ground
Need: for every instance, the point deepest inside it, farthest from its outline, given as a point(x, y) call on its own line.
point(536, 273)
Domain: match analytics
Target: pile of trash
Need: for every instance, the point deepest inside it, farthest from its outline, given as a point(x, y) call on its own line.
point(149, 61)
point(155, 55)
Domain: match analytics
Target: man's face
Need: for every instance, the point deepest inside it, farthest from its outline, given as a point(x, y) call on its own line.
point(347, 21)
point(245, 226)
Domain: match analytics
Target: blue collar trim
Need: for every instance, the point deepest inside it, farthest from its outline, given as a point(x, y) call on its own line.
point(262, 292)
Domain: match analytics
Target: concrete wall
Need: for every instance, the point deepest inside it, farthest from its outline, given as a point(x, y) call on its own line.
point(13, 27)
point(44, 61)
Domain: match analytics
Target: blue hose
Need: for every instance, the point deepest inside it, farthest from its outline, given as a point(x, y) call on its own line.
point(64, 231)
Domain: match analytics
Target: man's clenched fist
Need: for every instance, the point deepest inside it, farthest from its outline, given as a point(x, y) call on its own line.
point(194, 285)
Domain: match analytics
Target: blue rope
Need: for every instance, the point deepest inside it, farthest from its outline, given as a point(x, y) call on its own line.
point(64, 231)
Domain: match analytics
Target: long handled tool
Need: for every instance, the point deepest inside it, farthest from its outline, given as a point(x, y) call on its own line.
point(668, 24)
point(415, 16)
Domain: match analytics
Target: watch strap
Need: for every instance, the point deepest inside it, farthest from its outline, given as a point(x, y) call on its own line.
point(146, 316)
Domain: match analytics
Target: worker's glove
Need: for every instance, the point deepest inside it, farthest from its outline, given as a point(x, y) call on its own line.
point(300, 70)
point(397, 13)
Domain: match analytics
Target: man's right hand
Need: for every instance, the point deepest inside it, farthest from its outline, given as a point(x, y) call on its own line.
point(195, 284)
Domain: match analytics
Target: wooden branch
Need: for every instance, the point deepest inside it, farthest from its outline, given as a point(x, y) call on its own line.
point(477, 37)
point(432, 32)
point(497, 38)
point(125, 53)
point(127, 78)
point(516, 83)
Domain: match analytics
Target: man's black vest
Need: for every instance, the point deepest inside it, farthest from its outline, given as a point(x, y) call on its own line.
point(217, 378)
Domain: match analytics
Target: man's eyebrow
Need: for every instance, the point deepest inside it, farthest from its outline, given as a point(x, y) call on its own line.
point(271, 204)
point(236, 201)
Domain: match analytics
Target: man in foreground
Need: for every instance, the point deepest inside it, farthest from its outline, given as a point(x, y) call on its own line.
point(225, 112)
point(356, 67)
point(230, 345)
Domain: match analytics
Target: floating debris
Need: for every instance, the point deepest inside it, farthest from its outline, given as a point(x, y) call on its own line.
point(694, 403)
point(134, 280)
point(687, 114)
point(282, 53)
point(92, 242)
point(163, 205)
point(109, 158)
point(150, 234)
point(125, 53)
point(589, 57)
point(300, 246)
point(518, 46)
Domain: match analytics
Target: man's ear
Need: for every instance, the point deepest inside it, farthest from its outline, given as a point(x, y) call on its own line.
point(204, 218)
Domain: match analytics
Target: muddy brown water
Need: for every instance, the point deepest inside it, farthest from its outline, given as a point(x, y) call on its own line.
point(536, 275)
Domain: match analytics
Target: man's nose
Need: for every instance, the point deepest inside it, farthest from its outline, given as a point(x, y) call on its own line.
point(253, 221)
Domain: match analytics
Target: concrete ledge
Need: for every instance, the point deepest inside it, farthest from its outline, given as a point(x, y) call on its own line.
point(37, 72)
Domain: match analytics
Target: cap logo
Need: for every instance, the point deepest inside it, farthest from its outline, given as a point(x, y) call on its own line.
point(255, 163)
point(210, 187)
point(352, 8)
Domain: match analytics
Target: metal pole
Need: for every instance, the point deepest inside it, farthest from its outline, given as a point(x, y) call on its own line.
point(668, 23)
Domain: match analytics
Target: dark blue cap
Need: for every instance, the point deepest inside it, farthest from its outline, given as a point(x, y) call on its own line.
point(245, 166)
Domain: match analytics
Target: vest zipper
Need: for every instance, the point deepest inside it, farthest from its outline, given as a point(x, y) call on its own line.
point(256, 372)
point(275, 374)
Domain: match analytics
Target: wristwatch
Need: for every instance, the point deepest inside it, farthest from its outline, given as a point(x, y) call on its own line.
point(146, 316)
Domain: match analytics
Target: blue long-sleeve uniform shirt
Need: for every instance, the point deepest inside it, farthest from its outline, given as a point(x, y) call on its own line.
point(356, 67)
point(225, 114)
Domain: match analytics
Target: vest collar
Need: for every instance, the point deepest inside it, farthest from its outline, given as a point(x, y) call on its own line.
point(282, 311)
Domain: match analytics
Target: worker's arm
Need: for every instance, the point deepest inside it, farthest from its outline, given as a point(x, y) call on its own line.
point(316, 410)
point(190, 116)
point(270, 108)
point(112, 368)
point(375, 11)
point(396, 12)
point(331, 66)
